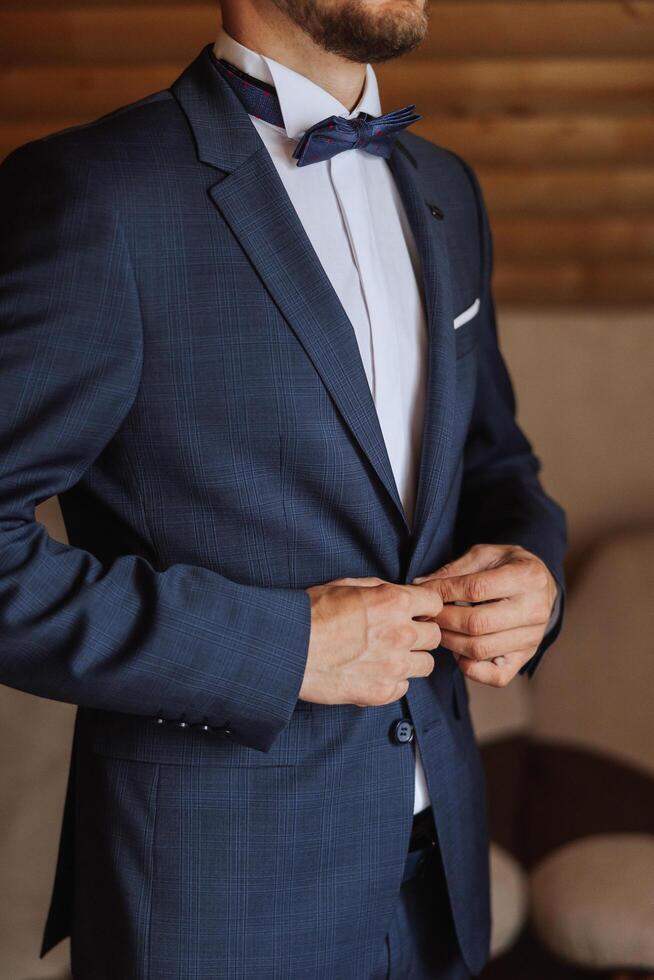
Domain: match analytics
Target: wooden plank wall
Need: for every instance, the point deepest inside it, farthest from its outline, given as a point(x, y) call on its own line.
point(551, 100)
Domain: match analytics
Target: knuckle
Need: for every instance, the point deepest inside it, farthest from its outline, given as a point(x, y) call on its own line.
point(384, 592)
point(410, 634)
point(389, 671)
point(402, 635)
point(480, 650)
point(395, 596)
point(402, 599)
point(476, 589)
point(477, 624)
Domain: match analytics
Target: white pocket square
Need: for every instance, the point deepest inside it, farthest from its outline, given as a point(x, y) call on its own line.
point(467, 314)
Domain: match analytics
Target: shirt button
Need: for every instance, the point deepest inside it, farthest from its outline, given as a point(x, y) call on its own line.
point(402, 730)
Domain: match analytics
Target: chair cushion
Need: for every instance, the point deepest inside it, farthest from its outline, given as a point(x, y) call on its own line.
point(592, 901)
point(509, 892)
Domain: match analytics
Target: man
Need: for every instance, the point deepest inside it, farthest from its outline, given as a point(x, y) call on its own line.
point(247, 336)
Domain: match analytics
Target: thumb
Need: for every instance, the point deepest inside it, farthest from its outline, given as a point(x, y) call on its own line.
point(475, 559)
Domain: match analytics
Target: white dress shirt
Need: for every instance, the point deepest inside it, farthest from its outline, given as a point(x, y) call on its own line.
point(354, 217)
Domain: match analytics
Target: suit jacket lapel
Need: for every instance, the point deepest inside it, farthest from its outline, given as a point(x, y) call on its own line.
point(253, 201)
point(436, 461)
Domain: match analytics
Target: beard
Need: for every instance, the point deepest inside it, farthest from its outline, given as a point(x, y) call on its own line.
point(360, 30)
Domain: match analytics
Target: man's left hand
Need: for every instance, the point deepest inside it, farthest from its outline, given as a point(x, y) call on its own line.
point(516, 592)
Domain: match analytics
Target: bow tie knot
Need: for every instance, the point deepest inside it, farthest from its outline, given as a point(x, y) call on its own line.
point(375, 134)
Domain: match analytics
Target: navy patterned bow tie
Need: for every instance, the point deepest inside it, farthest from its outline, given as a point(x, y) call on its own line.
point(375, 134)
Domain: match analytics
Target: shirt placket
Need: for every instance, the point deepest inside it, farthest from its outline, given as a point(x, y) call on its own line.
point(347, 176)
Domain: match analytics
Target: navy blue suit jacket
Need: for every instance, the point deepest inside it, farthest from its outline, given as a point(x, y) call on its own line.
point(177, 368)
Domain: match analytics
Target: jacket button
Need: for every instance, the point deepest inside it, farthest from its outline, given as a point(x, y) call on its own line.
point(436, 211)
point(182, 724)
point(402, 730)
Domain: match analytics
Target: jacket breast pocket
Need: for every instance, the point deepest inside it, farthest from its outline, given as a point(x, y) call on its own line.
point(466, 328)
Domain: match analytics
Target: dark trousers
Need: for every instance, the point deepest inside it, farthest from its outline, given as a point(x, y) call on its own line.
point(421, 941)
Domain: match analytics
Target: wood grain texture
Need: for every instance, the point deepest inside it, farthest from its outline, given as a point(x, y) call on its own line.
point(466, 88)
point(521, 86)
point(578, 282)
point(594, 236)
point(582, 191)
point(544, 140)
point(111, 33)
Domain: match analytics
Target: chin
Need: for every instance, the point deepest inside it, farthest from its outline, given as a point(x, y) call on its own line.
point(361, 30)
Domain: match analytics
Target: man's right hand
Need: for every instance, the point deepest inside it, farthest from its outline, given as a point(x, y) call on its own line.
point(366, 642)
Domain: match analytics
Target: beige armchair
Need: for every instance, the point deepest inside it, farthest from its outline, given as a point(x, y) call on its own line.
point(571, 769)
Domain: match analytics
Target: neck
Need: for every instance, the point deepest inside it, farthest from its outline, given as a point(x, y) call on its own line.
point(266, 30)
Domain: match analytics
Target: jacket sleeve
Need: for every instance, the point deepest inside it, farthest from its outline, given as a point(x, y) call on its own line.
point(182, 643)
point(502, 499)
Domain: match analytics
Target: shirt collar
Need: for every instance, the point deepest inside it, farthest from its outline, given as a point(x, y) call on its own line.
point(302, 102)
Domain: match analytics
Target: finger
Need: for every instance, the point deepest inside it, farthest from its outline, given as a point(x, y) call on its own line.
point(428, 635)
point(489, 617)
point(486, 672)
point(491, 583)
point(365, 582)
point(425, 600)
point(400, 691)
point(477, 558)
point(492, 644)
point(420, 665)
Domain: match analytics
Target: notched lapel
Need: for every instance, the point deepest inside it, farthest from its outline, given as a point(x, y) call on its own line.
point(253, 201)
point(256, 206)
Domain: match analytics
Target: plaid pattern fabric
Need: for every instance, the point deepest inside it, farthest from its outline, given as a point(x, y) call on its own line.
point(175, 365)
